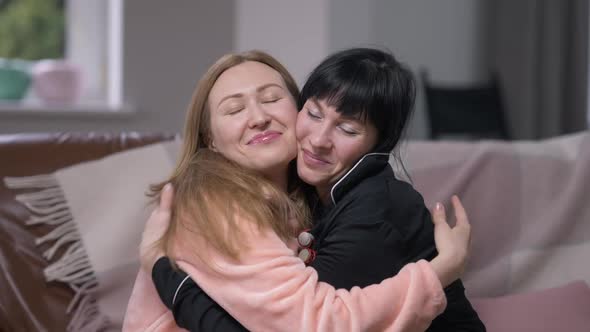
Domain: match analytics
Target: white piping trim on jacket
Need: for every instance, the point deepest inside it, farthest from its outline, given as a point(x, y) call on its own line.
point(178, 289)
point(350, 171)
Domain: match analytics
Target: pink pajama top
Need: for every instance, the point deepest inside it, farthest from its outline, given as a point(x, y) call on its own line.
point(269, 288)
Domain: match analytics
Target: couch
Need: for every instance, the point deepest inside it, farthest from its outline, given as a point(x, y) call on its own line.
point(27, 302)
point(517, 278)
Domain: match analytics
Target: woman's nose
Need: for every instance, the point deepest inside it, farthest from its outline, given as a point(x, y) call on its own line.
point(320, 139)
point(258, 117)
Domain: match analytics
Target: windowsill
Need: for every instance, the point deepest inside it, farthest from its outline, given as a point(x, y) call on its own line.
point(78, 110)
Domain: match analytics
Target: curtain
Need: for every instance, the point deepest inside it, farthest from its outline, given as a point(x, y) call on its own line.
point(539, 48)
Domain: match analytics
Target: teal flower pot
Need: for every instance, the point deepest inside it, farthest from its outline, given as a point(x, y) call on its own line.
point(15, 79)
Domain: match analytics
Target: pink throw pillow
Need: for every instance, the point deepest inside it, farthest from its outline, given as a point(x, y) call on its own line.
point(564, 308)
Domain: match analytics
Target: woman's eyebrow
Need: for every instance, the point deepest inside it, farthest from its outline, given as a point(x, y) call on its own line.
point(266, 86)
point(351, 117)
point(259, 89)
point(315, 103)
point(235, 95)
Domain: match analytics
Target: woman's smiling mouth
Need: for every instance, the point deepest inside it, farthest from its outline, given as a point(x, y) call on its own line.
point(265, 137)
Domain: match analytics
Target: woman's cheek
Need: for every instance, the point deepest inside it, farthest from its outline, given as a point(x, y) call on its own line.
point(301, 127)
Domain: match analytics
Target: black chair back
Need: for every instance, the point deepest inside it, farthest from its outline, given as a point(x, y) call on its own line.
point(465, 112)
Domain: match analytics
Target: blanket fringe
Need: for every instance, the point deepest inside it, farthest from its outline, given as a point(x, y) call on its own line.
point(88, 317)
point(49, 207)
point(54, 219)
point(63, 234)
point(28, 182)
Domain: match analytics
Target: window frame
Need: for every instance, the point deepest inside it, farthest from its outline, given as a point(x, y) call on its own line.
point(94, 41)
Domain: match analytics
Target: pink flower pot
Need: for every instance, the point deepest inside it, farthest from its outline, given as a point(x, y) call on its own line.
point(56, 81)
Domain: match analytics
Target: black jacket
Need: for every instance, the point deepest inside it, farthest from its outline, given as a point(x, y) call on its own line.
point(375, 225)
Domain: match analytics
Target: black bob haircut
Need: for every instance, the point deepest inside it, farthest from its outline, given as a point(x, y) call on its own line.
point(368, 84)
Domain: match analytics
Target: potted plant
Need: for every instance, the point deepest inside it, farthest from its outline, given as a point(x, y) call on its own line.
point(15, 79)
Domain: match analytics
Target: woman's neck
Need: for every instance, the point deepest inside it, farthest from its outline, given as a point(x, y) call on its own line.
point(279, 177)
point(324, 195)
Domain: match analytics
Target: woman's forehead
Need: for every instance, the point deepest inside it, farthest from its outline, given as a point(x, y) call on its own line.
point(247, 77)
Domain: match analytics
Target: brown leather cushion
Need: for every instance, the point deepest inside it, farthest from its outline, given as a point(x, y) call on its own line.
point(27, 302)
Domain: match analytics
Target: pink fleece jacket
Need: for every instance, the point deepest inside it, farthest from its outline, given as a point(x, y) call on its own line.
point(268, 288)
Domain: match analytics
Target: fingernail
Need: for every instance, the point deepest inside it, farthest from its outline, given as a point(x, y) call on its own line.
point(439, 206)
point(167, 186)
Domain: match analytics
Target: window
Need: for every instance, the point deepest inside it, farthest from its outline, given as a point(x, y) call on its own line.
point(85, 35)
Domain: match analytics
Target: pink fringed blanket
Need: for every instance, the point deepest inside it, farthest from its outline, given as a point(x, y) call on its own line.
point(528, 203)
point(98, 209)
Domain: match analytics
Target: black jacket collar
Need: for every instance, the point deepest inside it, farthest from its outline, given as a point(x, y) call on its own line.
point(369, 164)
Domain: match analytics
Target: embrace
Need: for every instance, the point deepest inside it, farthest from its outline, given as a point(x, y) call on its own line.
point(284, 214)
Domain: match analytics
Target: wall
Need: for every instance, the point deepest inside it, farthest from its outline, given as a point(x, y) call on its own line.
point(296, 33)
point(449, 38)
point(351, 23)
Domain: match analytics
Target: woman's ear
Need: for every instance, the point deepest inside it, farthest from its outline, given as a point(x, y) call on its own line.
point(208, 142)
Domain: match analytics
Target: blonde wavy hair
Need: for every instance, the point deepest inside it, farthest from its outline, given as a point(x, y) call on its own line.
point(210, 190)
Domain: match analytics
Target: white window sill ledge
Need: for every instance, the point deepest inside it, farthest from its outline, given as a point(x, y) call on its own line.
point(77, 111)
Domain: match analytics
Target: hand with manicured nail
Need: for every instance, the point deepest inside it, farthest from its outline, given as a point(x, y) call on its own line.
point(452, 243)
point(150, 248)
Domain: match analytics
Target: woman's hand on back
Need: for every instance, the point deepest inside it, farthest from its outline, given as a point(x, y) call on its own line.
point(155, 227)
point(452, 243)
